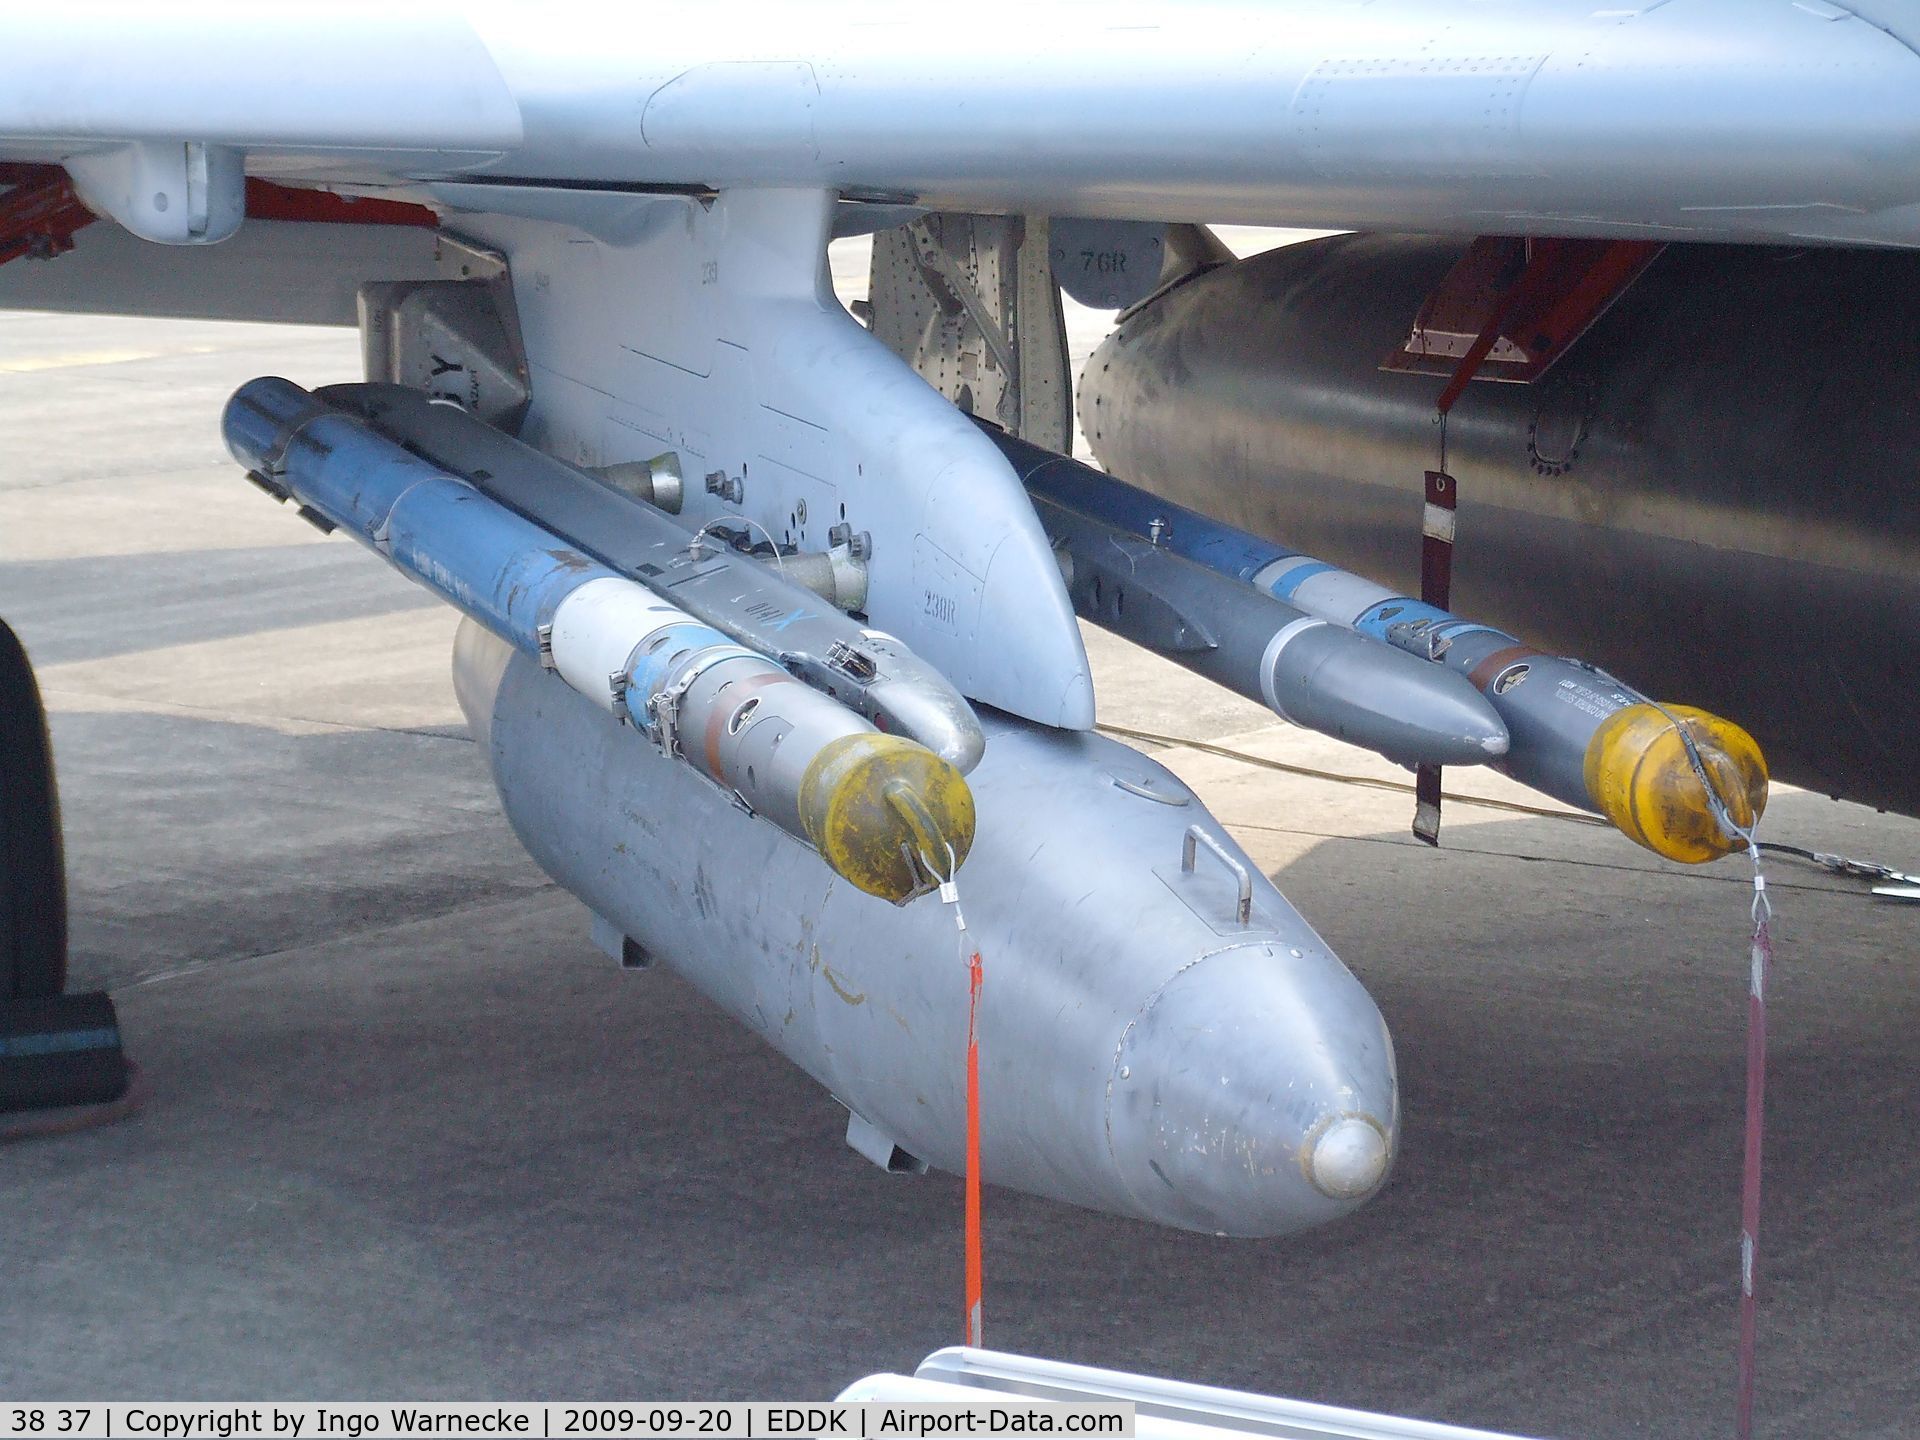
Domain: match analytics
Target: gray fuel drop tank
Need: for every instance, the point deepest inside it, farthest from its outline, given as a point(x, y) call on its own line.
point(1161, 1034)
point(1713, 492)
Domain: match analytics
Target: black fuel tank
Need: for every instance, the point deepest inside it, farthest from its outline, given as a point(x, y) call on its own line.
point(1715, 493)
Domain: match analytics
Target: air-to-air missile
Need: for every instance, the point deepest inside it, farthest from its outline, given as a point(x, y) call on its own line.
point(1708, 493)
point(1161, 1034)
point(762, 606)
point(1572, 731)
point(1307, 669)
point(884, 811)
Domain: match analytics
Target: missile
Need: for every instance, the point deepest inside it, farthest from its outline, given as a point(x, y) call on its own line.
point(869, 671)
point(1161, 1034)
point(1304, 668)
point(1708, 513)
point(883, 811)
point(1579, 735)
point(1574, 732)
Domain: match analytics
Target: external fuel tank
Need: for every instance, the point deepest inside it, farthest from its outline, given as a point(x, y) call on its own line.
point(1714, 492)
point(1161, 1034)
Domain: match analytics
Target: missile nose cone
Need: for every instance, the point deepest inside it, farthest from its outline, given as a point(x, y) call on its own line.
point(1372, 694)
point(1639, 775)
point(1349, 1159)
point(1254, 1094)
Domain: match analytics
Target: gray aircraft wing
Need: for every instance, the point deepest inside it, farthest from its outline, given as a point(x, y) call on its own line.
point(1728, 119)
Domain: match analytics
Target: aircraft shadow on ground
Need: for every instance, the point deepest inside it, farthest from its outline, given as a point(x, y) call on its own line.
point(589, 1180)
point(98, 606)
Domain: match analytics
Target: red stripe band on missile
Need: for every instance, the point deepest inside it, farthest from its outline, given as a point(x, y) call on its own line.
point(739, 692)
point(1498, 663)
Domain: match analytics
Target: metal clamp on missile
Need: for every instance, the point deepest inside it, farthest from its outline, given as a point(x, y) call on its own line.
point(869, 802)
point(1573, 731)
point(1307, 670)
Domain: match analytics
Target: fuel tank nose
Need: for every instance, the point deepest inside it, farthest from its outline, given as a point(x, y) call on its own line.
point(1349, 1159)
point(1254, 1094)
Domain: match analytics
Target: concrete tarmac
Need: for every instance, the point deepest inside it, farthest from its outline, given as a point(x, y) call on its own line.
point(410, 1136)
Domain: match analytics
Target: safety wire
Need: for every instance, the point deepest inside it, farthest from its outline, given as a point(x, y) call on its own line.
point(779, 560)
point(1897, 884)
point(972, 1328)
point(1760, 962)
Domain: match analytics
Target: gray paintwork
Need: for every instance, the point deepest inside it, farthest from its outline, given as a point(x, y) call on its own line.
point(716, 335)
point(1795, 121)
point(279, 270)
point(1142, 1051)
point(411, 1135)
point(1309, 671)
point(1675, 118)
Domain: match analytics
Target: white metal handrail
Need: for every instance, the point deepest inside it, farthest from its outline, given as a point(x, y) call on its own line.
point(1164, 1409)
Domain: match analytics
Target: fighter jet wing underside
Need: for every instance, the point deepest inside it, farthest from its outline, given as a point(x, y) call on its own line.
point(605, 246)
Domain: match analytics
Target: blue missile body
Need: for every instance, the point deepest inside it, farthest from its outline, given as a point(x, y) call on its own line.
point(1130, 573)
point(480, 557)
point(877, 807)
point(1574, 732)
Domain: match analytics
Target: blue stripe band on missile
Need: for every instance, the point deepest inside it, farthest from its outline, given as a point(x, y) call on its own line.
point(650, 671)
point(1400, 610)
point(1285, 587)
point(1455, 628)
point(1377, 620)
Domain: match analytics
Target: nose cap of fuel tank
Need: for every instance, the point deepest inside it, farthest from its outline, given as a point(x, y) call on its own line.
point(1254, 1094)
point(1349, 1159)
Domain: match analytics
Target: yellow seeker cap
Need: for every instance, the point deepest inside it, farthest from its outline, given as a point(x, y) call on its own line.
point(1638, 776)
point(875, 806)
